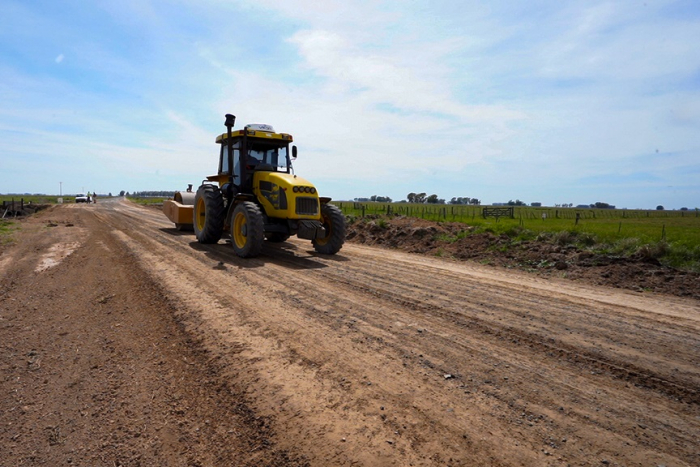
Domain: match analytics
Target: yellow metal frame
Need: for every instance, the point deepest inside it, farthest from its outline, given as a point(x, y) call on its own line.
point(256, 134)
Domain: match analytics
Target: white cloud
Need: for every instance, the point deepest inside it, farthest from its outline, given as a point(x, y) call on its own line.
point(458, 98)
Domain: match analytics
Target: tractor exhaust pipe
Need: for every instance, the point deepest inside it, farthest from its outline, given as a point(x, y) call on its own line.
point(230, 121)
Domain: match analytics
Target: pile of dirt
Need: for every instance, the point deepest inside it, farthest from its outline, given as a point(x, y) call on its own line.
point(545, 257)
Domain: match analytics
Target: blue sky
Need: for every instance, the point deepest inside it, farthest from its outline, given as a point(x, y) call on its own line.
point(542, 101)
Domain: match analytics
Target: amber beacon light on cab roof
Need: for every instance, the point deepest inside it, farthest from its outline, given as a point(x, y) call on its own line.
point(255, 196)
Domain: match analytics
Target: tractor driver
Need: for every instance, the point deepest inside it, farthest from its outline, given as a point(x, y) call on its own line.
point(253, 159)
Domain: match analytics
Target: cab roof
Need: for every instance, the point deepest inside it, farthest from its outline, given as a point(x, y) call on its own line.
point(256, 131)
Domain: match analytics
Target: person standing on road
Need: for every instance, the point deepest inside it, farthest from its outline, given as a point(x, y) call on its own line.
point(94, 197)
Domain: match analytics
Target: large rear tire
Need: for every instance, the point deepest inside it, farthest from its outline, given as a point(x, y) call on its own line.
point(247, 230)
point(209, 214)
point(334, 223)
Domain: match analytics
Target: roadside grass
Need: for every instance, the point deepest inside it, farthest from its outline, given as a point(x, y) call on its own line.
point(7, 228)
point(672, 237)
point(677, 246)
point(147, 200)
point(34, 199)
point(37, 199)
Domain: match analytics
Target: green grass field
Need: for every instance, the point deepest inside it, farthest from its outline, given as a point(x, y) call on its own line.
point(35, 199)
point(147, 200)
point(50, 199)
point(673, 237)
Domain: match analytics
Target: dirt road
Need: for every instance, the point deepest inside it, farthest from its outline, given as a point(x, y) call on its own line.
point(124, 342)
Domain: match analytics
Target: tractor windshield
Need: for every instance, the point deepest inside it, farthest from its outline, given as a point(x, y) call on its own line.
point(269, 154)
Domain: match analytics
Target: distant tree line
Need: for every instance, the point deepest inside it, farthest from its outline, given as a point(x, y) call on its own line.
point(421, 198)
point(600, 205)
point(375, 198)
point(424, 198)
point(460, 200)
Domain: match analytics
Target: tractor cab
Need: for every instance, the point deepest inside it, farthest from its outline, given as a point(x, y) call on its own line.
point(254, 148)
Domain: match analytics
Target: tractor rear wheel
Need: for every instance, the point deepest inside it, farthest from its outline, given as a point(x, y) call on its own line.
point(208, 214)
point(334, 223)
point(247, 230)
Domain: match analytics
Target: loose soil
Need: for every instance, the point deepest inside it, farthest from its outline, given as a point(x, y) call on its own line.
point(545, 258)
point(124, 342)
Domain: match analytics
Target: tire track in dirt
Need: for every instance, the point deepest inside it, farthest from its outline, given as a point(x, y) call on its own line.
point(96, 370)
point(409, 296)
point(371, 327)
point(573, 356)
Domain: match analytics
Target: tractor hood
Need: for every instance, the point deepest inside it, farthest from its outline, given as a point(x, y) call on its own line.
point(286, 195)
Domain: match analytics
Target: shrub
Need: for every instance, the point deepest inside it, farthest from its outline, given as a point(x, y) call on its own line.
point(564, 237)
point(654, 250)
point(587, 239)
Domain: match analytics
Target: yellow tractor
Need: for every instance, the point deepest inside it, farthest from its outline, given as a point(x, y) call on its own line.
point(255, 196)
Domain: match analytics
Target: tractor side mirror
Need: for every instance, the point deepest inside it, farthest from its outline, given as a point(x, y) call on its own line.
point(294, 152)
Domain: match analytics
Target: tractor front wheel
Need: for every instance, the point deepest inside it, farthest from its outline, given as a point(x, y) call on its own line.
point(334, 223)
point(247, 230)
point(208, 214)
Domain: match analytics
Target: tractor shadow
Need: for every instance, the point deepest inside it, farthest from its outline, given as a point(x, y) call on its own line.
point(177, 233)
point(282, 254)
